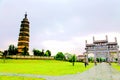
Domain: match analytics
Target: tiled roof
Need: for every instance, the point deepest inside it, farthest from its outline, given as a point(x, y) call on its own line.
point(88, 45)
point(112, 43)
point(100, 41)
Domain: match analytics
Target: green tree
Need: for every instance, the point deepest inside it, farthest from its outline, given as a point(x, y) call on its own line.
point(25, 51)
point(42, 53)
point(73, 59)
point(12, 50)
point(48, 52)
point(36, 52)
point(60, 56)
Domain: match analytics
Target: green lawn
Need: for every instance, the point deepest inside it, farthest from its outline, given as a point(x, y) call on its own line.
point(42, 67)
point(116, 66)
point(18, 78)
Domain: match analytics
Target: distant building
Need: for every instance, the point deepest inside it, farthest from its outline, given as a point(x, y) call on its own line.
point(23, 40)
point(80, 58)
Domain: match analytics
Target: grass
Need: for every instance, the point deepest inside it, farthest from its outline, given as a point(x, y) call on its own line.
point(18, 78)
point(42, 67)
point(116, 66)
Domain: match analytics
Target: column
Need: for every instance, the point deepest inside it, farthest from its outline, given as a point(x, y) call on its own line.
point(95, 55)
point(118, 55)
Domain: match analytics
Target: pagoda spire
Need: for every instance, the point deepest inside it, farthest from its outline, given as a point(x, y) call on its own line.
point(25, 14)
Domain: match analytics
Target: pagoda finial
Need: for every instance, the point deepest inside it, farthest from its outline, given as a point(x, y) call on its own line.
point(93, 38)
point(25, 14)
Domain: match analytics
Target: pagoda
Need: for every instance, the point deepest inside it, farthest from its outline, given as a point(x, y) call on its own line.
point(23, 40)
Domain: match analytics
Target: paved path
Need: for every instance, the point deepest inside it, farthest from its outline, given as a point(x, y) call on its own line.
point(100, 72)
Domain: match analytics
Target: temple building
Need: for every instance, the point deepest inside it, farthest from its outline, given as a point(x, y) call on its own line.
point(103, 48)
point(23, 40)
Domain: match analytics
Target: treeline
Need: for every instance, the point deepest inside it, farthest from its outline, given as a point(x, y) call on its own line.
point(12, 50)
point(37, 52)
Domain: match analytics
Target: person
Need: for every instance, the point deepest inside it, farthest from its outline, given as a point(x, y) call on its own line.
point(85, 64)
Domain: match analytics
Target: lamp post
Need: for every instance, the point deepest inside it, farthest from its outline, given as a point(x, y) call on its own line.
point(95, 62)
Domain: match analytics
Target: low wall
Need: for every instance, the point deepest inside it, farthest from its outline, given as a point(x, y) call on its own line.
point(29, 57)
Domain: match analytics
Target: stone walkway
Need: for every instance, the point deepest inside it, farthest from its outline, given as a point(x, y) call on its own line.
point(100, 72)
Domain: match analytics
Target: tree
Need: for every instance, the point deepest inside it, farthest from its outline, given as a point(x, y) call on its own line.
point(1, 53)
point(47, 53)
point(36, 52)
point(12, 50)
point(4, 55)
point(73, 58)
point(97, 59)
point(60, 56)
point(42, 53)
point(25, 51)
point(68, 56)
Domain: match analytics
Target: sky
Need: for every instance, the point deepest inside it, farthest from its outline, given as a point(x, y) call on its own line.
point(60, 25)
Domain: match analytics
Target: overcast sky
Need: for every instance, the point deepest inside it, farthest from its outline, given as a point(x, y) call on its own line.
point(60, 25)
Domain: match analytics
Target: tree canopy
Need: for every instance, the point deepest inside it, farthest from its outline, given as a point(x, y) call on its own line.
point(37, 52)
point(25, 51)
point(12, 50)
point(47, 53)
point(60, 56)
